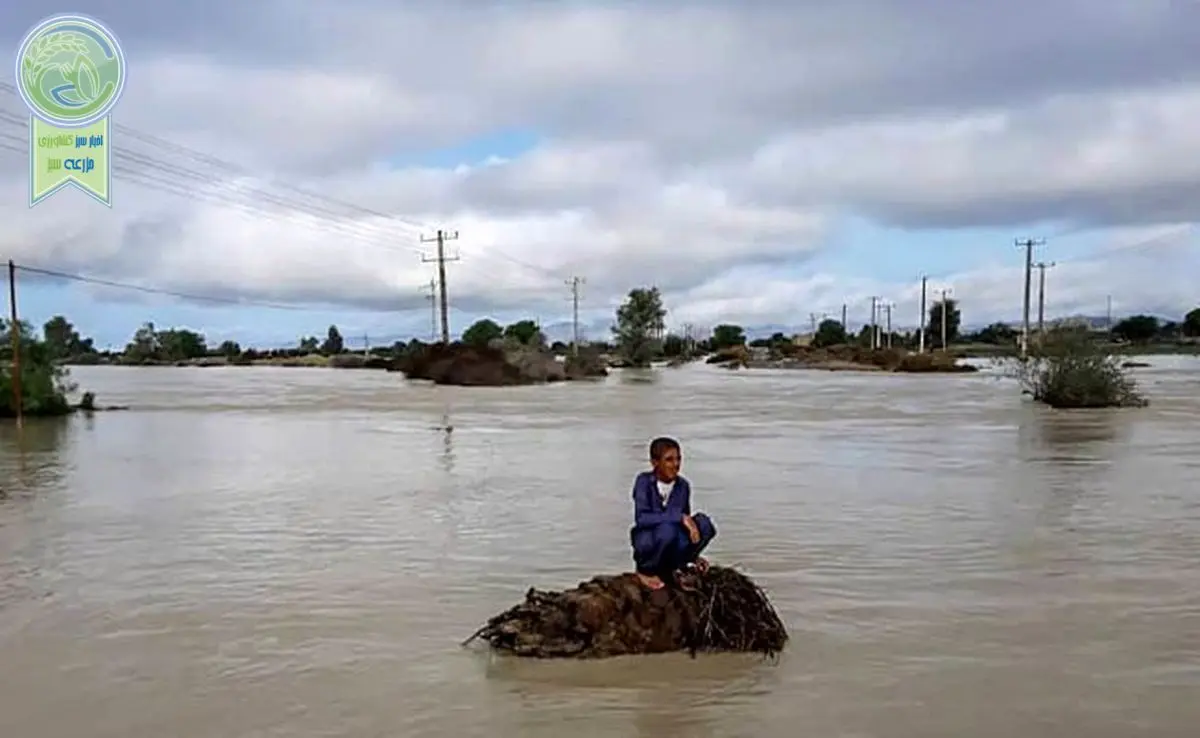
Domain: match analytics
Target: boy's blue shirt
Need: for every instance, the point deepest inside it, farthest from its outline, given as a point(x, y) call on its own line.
point(648, 508)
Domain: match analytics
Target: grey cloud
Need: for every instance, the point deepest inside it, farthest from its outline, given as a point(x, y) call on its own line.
point(682, 140)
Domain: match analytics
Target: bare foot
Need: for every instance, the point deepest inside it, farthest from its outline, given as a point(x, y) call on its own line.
point(687, 582)
point(650, 581)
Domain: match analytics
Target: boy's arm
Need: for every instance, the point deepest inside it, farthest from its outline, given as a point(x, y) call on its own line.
point(687, 495)
point(644, 514)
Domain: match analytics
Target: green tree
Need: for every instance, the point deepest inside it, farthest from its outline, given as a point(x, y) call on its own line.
point(44, 384)
point(1191, 323)
point(727, 336)
point(640, 322)
point(482, 332)
point(673, 346)
point(1137, 329)
point(996, 334)
point(309, 345)
point(829, 333)
point(144, 347)
point(525, 332)
point(63, 341)
point(334, 344)
point(229, 349)
point(181, 344)
point(953, 321)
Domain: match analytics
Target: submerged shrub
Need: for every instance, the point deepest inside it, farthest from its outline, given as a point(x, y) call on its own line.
point(1067, 369)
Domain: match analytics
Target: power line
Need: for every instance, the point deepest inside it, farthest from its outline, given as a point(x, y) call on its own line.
point(441, 259)
point(156, 290)
point(235, 169)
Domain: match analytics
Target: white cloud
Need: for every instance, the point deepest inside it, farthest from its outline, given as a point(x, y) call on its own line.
point(699, 148)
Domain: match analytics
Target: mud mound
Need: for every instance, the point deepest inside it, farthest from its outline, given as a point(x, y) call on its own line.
point(616, 616)
point(463, 365)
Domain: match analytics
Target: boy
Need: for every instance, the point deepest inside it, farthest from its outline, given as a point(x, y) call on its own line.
point(667, 538)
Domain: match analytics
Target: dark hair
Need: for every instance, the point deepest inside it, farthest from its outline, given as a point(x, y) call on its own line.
point(661, 445)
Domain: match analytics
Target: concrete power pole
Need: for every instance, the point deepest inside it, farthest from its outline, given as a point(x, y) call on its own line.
point(888, 308)
point(433, 312)
point(843, 317)
point(441, 259)
point(814, 317)
point(921, 322)
point(574, 283)
point(1028, 245)
point(875, 323)
point(1041, 267)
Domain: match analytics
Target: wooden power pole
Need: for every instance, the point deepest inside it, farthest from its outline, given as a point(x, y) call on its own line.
point(14, 330)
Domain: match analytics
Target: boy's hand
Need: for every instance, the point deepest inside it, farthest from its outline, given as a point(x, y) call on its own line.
point(701, 564)
point(692, 529)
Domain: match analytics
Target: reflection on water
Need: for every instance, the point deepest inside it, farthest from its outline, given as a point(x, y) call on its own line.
point(256, 552)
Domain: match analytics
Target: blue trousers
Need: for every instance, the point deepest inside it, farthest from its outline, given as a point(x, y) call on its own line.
point(666, 548)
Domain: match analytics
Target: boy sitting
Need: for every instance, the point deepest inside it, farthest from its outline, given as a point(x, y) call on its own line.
point(667, 538)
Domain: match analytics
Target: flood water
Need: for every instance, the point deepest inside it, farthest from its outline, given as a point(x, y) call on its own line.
point(298, 552)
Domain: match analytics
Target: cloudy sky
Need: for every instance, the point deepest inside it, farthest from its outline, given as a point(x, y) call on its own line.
point(759, 161)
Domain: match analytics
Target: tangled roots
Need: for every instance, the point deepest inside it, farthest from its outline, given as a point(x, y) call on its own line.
point(617, 615)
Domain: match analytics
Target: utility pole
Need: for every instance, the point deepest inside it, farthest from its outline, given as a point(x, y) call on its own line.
point(14, 330)
point(921, 317)
point(433, 313)
point(874, 323)
point(1041, 266)
point(945, 309)
point(574, 283)
point(1107, 314)
point(814, 317)
point(888, 307)
point(1028, 244)
point(843, 317)
point(441, 259)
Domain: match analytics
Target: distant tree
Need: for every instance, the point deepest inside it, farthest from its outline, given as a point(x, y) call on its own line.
point(640, 322)
point(180, 344)
point(1137, 329)
point(1191, 323)
point(829, 333)
point(558, 347)
point(229, 349)
point(727, 336)
point(482, 332)
point(673, 346)
point(996, 334)
point(144, 347)
point(309, 345)
point(953, 321)
point(334, 344)
point(62, 341)
point(525, 332)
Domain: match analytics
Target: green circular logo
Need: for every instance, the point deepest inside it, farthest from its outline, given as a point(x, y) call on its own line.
point(70, 70)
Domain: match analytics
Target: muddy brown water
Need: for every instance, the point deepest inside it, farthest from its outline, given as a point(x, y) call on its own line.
point(298, 552)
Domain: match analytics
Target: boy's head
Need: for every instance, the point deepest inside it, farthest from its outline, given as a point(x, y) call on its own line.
point(666, 457)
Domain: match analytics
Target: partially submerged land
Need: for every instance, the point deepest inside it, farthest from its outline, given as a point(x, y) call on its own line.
point(617, 616)
point(844, 358)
